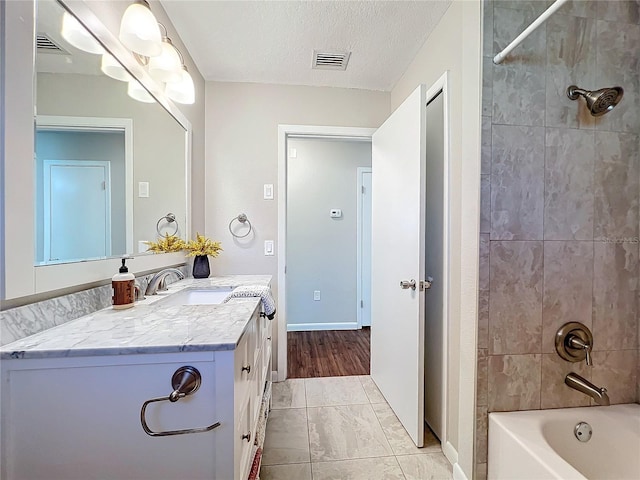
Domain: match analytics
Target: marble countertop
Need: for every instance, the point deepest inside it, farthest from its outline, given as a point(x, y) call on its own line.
point(147, 327)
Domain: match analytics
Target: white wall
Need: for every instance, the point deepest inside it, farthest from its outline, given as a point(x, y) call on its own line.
point(455, 45)
point(242, 154)
point(322, 251)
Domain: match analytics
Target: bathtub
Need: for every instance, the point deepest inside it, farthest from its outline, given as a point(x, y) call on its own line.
point(541, 444)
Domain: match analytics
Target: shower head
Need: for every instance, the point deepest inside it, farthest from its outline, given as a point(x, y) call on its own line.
point(600, 101)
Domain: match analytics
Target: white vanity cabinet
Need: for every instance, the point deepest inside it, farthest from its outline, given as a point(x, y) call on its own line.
point(79, 417)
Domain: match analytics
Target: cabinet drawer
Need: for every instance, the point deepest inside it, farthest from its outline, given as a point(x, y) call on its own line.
point(242, 360)
point(244, 439)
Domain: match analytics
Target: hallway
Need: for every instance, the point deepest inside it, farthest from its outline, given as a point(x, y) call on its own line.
point(328, 353)
point(342, 428)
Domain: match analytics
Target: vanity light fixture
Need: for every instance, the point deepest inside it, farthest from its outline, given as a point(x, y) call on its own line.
point(166, 67)
point(136, 91)
point(139, 30)
point(112, 68)
point(182, 91)
point(78, 36)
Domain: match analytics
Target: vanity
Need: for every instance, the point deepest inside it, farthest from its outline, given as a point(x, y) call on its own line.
point(72, 396)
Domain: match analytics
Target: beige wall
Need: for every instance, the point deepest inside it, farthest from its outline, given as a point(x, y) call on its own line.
point(454, 46)
point(242, 155)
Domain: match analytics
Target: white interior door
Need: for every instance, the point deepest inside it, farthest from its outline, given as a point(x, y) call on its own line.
point(77, 209)
point(397, 245)
point(364, 245)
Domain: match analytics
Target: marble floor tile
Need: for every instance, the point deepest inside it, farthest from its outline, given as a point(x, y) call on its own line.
point(328, 391)
point(288, 394)
point(296, 471)
point(287, 437)
point(386, 468)
point(345, 432)
point(397, 436)
point(425, 467)
point(371, 389)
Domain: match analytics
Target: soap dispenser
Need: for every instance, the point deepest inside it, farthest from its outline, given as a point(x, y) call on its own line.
point(123, 284)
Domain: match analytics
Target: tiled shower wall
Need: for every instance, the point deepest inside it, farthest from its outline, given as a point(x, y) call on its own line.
point(559, 207)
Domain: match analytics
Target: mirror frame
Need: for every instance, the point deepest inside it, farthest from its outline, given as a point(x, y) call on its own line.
point(21, 280)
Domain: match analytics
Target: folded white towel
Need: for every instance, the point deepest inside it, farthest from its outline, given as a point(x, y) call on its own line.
point(268, 304)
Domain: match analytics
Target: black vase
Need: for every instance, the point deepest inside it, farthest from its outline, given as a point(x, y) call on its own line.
point(201, 266)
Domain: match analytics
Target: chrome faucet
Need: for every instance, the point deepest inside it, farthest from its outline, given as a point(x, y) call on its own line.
point(575, 381)
point(158, 282)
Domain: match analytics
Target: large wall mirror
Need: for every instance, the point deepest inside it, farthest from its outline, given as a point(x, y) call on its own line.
point(108, 168)
point(83, 118)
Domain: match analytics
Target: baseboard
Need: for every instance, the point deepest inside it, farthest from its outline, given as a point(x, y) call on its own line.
point(309, 327)
point(458, 474)
point(450, 452)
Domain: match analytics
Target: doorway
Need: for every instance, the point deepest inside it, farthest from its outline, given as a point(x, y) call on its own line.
point(328, 270)
point(332, 216)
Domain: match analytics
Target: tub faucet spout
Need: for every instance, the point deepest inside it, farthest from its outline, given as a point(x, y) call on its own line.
point(599, 395)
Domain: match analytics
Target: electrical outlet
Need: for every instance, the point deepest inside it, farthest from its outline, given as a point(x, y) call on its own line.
point(316, 295)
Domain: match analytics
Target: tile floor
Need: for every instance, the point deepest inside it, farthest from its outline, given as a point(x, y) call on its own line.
point(342, 428)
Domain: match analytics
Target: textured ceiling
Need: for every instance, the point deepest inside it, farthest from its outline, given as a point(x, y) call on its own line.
point(273, 41)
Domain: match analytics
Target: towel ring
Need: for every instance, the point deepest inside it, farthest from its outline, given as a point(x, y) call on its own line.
point(242, 218)
point(169, 218)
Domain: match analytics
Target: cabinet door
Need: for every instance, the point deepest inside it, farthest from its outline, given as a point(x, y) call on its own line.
point(84, 423)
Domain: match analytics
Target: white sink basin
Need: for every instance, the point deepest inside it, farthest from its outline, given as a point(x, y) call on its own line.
point(197, 296)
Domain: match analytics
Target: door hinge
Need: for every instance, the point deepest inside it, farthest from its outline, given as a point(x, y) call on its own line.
point(104, 185)
point(361, 304)
point(363, 189)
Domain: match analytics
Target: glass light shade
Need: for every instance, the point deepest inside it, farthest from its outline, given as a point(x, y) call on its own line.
point(78, 36)
point(136, 91)
point(166, 67)
point(112, 68)
point(139, 30)
point(183, 91)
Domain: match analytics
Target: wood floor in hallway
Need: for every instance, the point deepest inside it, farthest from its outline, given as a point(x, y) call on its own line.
point(330, 353)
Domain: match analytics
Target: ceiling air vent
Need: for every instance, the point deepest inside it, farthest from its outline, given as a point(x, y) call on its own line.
point(330, 60)
point(46, 45)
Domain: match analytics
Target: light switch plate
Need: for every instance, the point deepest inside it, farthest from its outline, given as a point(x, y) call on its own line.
point(268, 191)
point(268, 248)
point(143, 189)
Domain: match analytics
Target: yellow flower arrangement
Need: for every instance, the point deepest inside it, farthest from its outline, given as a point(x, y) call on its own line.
point(202, 246)
point(169, 243)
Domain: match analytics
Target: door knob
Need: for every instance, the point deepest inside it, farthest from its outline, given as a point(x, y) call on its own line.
point(405, 284)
